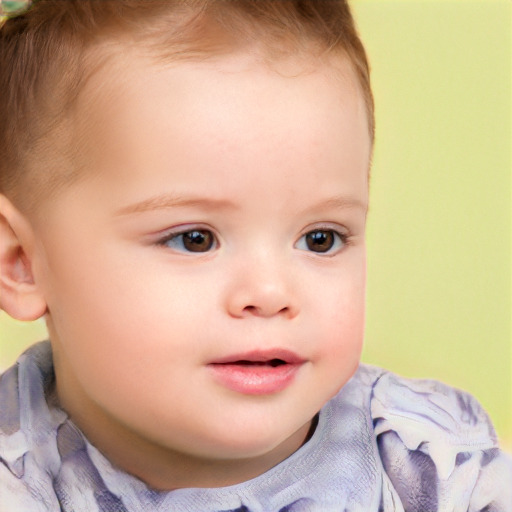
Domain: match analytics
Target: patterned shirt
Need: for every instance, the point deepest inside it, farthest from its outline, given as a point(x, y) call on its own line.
point(383, 444)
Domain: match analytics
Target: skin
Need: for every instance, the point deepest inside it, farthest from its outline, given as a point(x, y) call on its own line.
point(255, 156)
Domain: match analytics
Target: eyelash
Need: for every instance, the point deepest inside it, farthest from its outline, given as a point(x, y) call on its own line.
point(176, 236)
point(339, 240)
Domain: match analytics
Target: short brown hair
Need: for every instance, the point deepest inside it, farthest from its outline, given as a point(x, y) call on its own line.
point(45, 59)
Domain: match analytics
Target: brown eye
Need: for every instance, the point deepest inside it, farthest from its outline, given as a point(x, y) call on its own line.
point(320, 241)
point(198, 240)
point(195, 240)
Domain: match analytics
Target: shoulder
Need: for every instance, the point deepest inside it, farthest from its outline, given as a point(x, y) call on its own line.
point(27, 430)
point(437, 445)
point(431, 416)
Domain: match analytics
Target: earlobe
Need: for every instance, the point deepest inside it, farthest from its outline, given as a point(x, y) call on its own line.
point(19, 293)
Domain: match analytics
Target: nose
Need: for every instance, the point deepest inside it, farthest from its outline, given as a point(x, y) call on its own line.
point(262, 290)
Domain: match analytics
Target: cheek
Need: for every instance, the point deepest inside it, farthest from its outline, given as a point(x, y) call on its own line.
point(343, 305)
point(144, 317)
point(343, 335)
point(105, 315)
point(341, 319)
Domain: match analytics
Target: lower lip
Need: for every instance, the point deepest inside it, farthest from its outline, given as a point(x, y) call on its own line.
point(255, 379)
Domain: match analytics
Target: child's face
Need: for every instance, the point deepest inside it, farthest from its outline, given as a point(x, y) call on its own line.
point(223, 221)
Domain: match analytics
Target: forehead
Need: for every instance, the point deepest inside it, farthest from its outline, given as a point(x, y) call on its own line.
point(234, 110)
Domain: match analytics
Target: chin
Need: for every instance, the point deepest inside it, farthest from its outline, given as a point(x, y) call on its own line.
point(258, 442)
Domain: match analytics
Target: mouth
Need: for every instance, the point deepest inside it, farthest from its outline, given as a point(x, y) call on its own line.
point(273, 357)
point(258, 372)
point(273, 363)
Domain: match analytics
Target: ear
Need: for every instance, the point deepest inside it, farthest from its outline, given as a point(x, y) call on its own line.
point(19, 294)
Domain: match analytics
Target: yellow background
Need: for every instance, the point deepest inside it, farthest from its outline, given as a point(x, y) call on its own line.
point(439, 233)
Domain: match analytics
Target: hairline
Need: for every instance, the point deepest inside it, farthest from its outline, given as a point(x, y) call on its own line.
point(97, 56)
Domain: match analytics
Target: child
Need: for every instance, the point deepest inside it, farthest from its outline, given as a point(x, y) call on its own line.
point(184, 187)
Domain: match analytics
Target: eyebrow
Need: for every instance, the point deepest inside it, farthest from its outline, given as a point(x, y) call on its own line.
point(166, 201)
point(342, 202)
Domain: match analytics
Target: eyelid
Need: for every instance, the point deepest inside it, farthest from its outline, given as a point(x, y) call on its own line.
point(342, 232)
point(329, 224)
point(165, 235)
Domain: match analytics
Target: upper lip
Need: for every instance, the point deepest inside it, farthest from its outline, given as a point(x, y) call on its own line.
point(262, 356)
